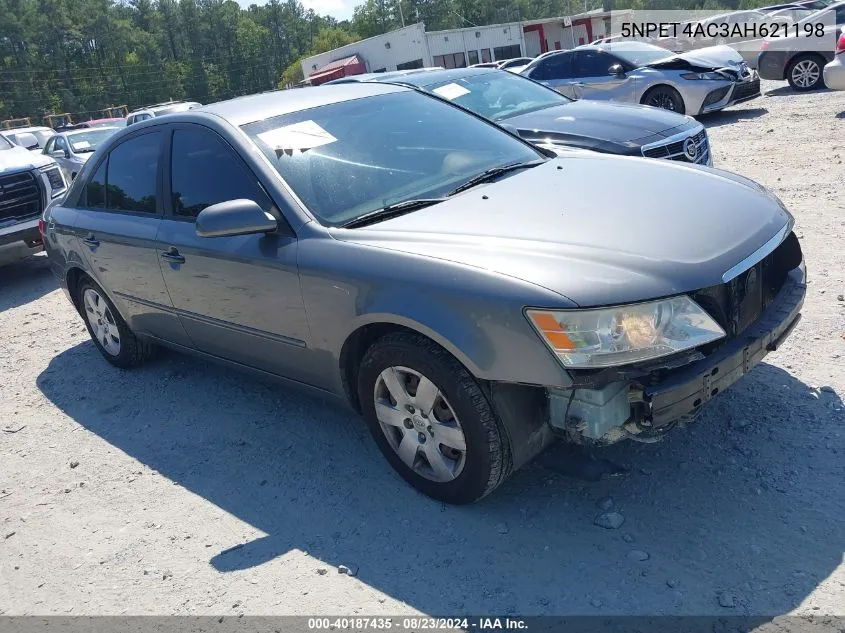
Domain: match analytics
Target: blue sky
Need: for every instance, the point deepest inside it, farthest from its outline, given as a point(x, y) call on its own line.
point(340, 9)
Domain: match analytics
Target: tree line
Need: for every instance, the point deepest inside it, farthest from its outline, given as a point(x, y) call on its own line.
point(80, 56)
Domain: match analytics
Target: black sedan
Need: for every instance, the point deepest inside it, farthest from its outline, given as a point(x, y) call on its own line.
point(546, 117)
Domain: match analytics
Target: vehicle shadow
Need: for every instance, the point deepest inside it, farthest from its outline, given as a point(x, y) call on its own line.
point(726, 117)
point(747, 500)
point(25, 281)
point(787, 90)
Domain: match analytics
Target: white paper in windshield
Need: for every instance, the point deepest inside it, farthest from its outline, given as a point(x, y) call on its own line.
point(451, 91)
point(81, 145)
point(297, 137)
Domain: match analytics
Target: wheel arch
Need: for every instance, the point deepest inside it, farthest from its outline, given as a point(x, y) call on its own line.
point(664, 85)
point(357, 342)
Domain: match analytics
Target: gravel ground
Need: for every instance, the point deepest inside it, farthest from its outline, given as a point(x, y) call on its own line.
point(181, 488)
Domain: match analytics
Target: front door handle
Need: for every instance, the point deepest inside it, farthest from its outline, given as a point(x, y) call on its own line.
point(173, 256)
point(90, 240)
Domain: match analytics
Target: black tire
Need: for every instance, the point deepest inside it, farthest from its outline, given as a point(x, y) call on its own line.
point(666, 98)
point(806, 61)
point(488, 456)
point(133, 351)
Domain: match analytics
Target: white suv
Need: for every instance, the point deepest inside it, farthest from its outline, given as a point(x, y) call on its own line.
point(159, 110)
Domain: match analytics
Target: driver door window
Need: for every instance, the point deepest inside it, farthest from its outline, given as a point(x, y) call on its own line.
point(592, 64)
point(204, 171)
point(61, 144)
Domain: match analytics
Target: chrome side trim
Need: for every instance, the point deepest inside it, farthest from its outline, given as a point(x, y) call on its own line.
point(756, 256)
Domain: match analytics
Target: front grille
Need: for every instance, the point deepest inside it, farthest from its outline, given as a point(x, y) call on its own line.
point(20, 197)
point(737, 304)
point(746, 89)
point(675, 150)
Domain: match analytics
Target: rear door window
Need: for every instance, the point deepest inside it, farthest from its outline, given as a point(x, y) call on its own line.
point(127, 179)
point(553, 67)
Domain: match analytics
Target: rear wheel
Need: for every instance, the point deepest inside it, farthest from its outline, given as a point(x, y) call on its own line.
point(431, 419)
point(108, 330)
point(805, 73)
point(664, 97)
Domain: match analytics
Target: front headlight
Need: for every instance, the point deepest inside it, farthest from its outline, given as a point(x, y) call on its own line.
point(607, 337)
point(54, 181)
point(704, 76)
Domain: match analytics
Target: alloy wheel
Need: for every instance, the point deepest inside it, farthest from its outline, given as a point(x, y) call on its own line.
point(101, 319)
point(662, 100)
point(806, 73)
point(420, 424)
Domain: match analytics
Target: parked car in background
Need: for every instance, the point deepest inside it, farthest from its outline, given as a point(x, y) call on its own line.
point(28, 183)
point(692, 83)
point(160, 109)
point(95, 123)
point(788, 57)
point(546, 117)
point(813, 5)
point(31, 138)
point(470, 296)
point(834, 71)
point(71, 150)
point(515, 62)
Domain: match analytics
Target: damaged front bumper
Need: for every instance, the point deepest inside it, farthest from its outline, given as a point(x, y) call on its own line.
point(641, 407)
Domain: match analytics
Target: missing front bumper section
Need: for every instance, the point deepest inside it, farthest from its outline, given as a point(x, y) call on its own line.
point(637, 406)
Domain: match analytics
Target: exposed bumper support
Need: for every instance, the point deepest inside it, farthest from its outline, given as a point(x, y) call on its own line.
point(685, 391)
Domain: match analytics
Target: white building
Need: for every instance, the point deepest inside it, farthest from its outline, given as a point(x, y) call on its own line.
point(413, 47)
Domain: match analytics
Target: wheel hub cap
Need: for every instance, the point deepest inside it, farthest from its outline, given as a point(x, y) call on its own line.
point(101, 320)
point(420, 424)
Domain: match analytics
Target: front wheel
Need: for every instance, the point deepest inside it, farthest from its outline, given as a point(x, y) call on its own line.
point(666, 98)
point(805, 73)
point(431, 420)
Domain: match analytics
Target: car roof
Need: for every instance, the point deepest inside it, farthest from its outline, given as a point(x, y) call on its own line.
point(242, 110)
point(439, 76)
point(34, 128)
point(87, 130)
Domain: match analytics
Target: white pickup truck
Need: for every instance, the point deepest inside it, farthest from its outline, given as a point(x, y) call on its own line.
point(28, 183)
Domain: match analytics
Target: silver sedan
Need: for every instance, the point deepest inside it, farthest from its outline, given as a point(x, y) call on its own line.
point(72, 149)
point(697, 82)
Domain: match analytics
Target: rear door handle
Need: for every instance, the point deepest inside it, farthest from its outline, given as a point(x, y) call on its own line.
point(173, 256)
point(91, 241)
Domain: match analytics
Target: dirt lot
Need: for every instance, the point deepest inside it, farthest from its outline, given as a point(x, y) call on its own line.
point(187, 489)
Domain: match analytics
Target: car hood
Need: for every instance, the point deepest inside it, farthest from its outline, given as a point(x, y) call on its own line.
point(600, 125)
point(19, 158)
point(702, 59)
point(595, 228)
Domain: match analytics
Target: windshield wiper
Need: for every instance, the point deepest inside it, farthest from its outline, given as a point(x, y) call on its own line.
point(391, 211)
point(493, 173)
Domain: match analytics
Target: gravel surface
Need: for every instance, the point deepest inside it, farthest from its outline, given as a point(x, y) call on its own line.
point(183, 488)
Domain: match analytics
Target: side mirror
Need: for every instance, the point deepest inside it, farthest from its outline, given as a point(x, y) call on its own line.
point(234, 217)
point(59, 153)
point(617, 70)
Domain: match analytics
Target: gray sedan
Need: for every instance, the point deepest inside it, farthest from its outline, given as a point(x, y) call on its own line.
point(455, 285)
point(693, 83)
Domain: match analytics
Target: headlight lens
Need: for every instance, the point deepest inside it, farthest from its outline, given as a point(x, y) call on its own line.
point(704, 76)
point(53, 180)
point(608, 337)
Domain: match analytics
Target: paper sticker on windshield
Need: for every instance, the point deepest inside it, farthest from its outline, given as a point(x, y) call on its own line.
point(451, 91)
point(81, 145)
point(298, 137)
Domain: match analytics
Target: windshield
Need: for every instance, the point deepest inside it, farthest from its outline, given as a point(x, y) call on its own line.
point(497, 95)
point(89, 140)
point(640, 56)
point(350, 158)
point(108, 123)
point(5, 143)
